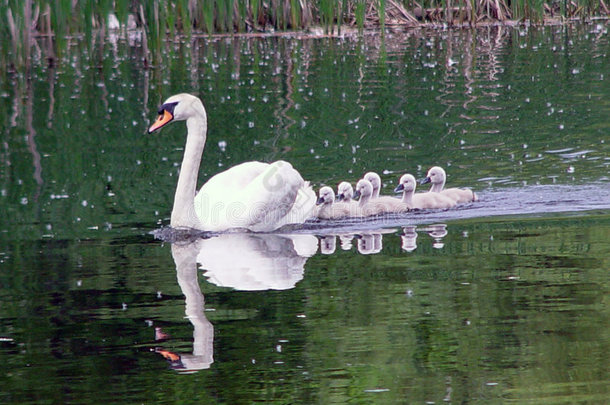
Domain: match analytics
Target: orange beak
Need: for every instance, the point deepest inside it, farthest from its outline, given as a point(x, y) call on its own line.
point(165, 118)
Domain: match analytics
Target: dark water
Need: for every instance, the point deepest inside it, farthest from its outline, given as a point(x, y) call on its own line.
point(503, 300)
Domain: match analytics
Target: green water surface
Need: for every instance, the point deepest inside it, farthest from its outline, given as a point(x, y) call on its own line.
point(504, 301)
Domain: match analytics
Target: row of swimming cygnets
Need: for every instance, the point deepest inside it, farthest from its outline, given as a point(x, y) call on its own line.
point(372, 203)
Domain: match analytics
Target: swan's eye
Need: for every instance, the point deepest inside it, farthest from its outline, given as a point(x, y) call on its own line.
point(169, 107)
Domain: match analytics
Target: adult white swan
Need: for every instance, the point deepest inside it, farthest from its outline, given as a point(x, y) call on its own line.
point(257, 196)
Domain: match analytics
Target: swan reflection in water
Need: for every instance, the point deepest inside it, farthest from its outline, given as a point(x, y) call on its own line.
point(248, 262)
point(256, 262)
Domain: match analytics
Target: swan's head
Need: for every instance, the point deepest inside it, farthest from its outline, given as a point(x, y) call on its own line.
point(375, 181)
point(178, 107)
point(345, 191)
point(326, 196)
point(436, 175)
point(364, 189)
point(406, 183)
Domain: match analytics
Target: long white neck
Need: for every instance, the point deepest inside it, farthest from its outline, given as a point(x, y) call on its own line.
point(407, 197)
point(364, 199)
point(183, 213)
point(437, 187)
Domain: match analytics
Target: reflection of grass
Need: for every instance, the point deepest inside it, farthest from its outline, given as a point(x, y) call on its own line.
point(161, 20)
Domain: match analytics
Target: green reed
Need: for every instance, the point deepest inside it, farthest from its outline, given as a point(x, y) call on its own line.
point(162, 20)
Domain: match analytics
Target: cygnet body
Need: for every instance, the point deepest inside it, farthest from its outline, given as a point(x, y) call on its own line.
point(374, 206)
point(407, 185)
point(436, 175)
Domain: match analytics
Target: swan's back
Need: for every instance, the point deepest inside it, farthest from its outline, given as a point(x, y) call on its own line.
point(254, 195)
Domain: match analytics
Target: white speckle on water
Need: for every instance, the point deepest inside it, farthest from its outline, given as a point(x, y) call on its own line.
point(222, 145)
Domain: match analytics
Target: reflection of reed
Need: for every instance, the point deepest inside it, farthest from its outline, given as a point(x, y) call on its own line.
point(51, 81)
point(289, 78)
point(479, 54)
point(31, 134)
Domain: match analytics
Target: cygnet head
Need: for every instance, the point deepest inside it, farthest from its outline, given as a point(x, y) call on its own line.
point(326, 196)
point(436, 175)
point(375, 182)
point(178, 107)
point(345, 191)
point(364, 189)
point(406, 183)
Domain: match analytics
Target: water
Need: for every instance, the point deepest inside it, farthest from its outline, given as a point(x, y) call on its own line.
point(499, 300)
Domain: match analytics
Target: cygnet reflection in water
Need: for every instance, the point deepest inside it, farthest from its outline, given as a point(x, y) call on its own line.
point(409, 238)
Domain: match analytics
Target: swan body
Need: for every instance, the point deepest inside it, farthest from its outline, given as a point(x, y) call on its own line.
point(407, 185)
point(374, 206)
point(436, 175)
point(327, 209)
point(257, 196)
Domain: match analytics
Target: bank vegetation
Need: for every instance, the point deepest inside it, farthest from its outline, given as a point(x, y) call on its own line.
point(23, 22)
